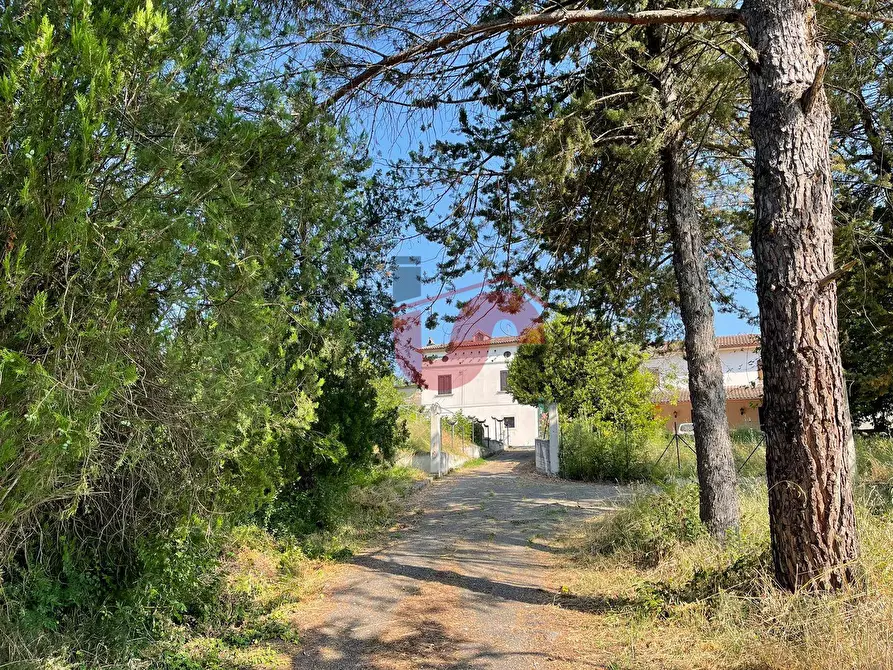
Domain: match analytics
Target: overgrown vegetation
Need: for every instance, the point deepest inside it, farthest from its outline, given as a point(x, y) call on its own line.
point(603, 451)
point(193, 318)
point(595, 453)
point(603, 395)
point(691, 602)
point(456, 432)
point(253, 621)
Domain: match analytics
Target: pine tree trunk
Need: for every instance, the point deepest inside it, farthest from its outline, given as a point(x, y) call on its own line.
point(809, 463)
point(716, 466)
point(717, 479)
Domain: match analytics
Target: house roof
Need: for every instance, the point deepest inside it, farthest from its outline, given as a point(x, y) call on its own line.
point(747, 392)
point(475, 344)
point(743, 341)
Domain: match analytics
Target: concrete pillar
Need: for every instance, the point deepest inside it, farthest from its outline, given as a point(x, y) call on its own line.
point(554, 436)
point(435, 441)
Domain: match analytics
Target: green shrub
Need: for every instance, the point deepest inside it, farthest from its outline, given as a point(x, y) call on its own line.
point(653, 524)
point(342, 510)
point(598, 451)
point(179, 283)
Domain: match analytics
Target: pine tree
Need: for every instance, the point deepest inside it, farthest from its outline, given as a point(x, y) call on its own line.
point(807, 418)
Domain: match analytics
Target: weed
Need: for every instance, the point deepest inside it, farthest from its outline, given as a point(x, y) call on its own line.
point(716, 603)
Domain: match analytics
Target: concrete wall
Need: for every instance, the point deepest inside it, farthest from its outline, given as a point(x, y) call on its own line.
point(541, 450)
point(450, 461)
point(423, 461)
point(475, 374)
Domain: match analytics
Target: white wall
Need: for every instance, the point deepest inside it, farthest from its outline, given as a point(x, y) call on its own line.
point(475, 376)
point(739, 368)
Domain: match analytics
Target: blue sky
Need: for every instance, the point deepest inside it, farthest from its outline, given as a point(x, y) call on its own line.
point(391, 137)
point(429, 253)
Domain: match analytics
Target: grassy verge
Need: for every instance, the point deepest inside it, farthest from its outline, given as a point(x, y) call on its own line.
point(264, 579)
point(244, 610)
point(666, 595)
point(419, 427)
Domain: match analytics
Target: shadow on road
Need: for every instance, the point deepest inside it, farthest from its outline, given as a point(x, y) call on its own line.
point(466, 586)
point(488, 587)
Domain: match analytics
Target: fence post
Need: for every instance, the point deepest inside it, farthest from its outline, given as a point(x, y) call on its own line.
point(553, 439)
point(435, 440)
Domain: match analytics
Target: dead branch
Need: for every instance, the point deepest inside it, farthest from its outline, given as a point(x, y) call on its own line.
point(454, 39)
point(867, 16)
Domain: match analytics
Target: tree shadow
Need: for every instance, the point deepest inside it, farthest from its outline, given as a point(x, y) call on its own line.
point(429, 644)
point(487, 587)
point(394, 612)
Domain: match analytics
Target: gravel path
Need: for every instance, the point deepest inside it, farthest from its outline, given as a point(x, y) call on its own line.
point(466, 584)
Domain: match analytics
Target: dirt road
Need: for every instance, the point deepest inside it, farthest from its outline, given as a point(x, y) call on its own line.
point(466, 584)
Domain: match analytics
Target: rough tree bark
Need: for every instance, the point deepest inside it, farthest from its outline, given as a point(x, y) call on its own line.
point(717, 478)
point(716, 466)
point(808, 431)
point(809, 436)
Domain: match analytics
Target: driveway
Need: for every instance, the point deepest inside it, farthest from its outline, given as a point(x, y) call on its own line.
point(466, 584)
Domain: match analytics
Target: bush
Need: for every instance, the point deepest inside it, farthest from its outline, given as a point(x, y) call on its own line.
point(174, 290)
point(598, 451)
point(650, 527)
point(342, 510)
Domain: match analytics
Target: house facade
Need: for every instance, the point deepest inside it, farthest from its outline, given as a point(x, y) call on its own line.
point(742, 375)
point(470, 377)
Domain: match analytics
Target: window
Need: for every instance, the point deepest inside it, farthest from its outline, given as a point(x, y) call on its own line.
point(503, 380)
point(509, 421)
point(444, 384)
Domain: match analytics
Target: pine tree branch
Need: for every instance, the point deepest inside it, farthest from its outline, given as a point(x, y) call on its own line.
point(868, 16)
point(551, 18)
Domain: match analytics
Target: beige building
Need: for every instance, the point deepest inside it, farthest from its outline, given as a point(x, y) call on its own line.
point(471, 377)
point(742, 375)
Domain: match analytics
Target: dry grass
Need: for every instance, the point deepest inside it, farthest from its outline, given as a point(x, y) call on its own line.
point(685, 601)
point(266, 581)
point(419, 442)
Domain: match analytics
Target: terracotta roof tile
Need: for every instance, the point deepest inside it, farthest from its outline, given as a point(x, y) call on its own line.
point(509, 339)
point(735, 341)
point(745, 341)
point(748, 392)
